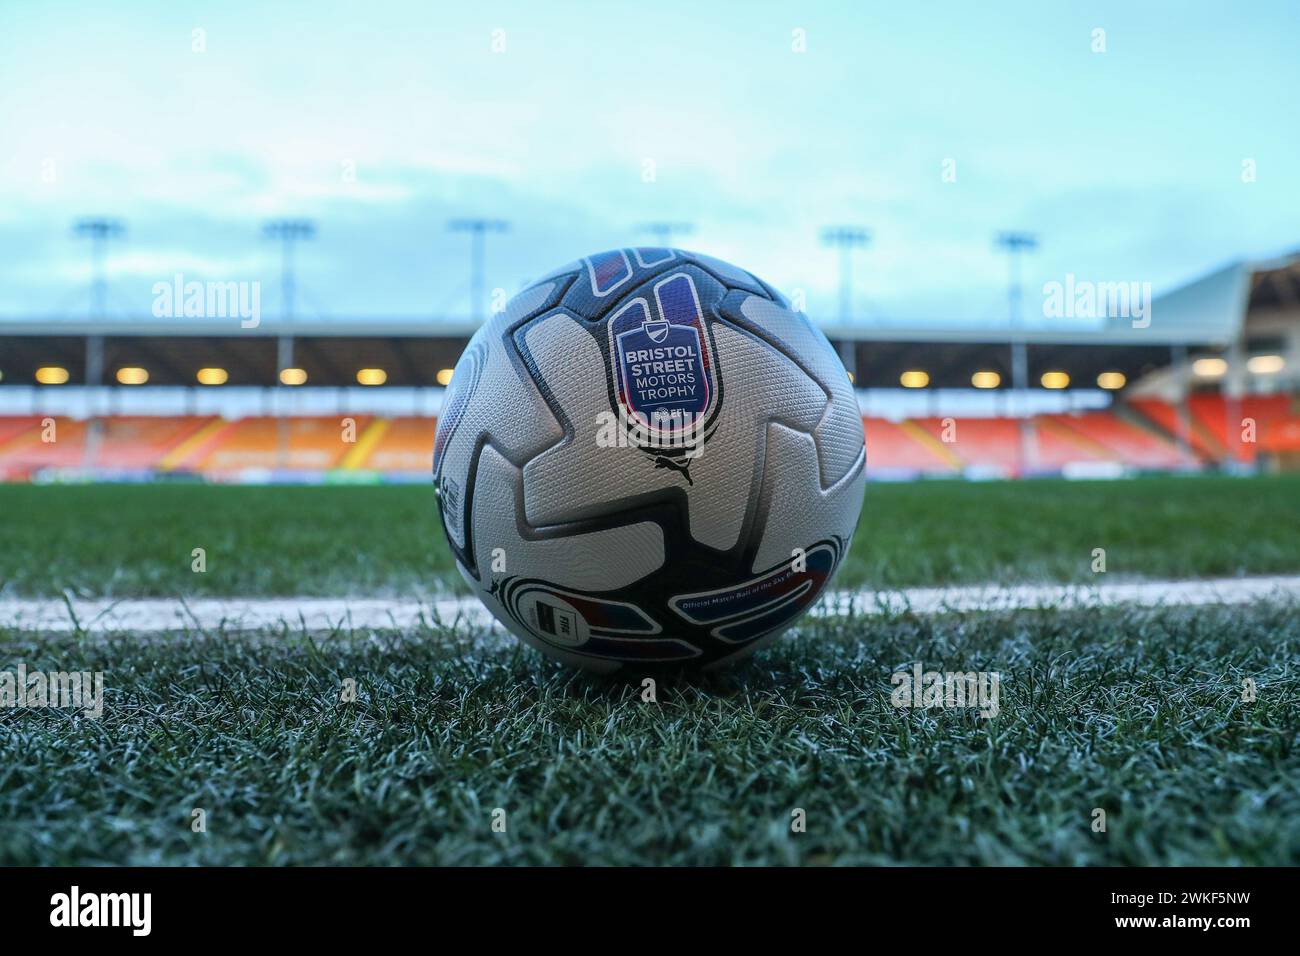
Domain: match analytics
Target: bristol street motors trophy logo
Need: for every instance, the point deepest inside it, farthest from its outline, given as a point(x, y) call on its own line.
point(666, 379)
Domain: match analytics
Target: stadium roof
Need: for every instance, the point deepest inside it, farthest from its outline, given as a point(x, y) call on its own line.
point(1210, 310)
point(149, 326)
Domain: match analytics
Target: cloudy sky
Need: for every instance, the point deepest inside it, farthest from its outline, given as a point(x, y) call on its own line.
point(579, 121)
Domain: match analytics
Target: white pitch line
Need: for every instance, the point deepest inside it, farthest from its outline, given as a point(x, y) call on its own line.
point(163, 615)
point(160, 615)
point(1026, 596)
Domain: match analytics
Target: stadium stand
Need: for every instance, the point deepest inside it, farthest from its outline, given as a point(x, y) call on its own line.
point(1059, 445)
point(1217, 424)
point(991, 444)
point(120, 444)
point(195, 447)
point(401, 446)
point(895, 450)
point(42, 443)
point(139, 443)
point(1165, 417)
point(398, 445)
point(1282, 442)
point(284, 444)
point(10, 427)
point(11, 430)
point(214, 447)
point(1216, 415)
point(892, 450)
point(1120, 440)
point(1125, 397)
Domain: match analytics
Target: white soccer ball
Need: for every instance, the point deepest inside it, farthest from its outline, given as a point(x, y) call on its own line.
point(648, 459)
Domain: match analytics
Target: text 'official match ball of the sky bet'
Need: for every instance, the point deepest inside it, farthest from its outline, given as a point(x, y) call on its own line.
point(648, 459)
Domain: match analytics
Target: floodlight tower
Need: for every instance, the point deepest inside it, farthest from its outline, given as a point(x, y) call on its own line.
point(478, 229)
point(98, 230)
point(664, 231)
point(289, 232)
point(1015, 244)
point(846, 239)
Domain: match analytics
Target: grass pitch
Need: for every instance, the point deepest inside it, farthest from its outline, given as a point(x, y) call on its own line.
point(134, 541)
point(1138, 713)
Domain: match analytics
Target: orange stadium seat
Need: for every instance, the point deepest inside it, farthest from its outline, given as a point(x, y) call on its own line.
point(12, 427)
point(1165, 416)
point(125, 443)
point(1059, 444)
point(292, 444)
point(404, 445)
point(992, 443)
point(893, 447)
point(1282, 437)
point(142, 443)
point(1117, 439)
point(396, 445)
point(15, 432)
point(1213, 437)
point(32, 445)
point(1211, 412)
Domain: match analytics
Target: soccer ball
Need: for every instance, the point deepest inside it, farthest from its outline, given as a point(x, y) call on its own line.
point(648, 459)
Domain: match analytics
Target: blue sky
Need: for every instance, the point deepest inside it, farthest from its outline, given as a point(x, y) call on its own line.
point(1126, 163)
